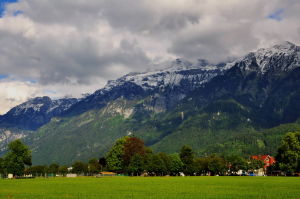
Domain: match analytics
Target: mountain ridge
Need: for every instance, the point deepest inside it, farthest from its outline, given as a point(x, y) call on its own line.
point(206, 106)
point(35, 112)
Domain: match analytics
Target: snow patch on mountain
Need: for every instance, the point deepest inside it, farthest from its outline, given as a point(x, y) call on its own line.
point(284, 56)
point(61, 104)
point(32, 105)
point(25, 107)
point(43, 104)
point(171, 76)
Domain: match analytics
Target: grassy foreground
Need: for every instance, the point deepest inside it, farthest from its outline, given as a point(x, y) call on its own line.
point(152, 187)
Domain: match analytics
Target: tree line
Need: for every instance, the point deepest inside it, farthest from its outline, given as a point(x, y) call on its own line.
point(130, 156)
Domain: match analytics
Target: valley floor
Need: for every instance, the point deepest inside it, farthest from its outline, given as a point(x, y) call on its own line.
point(152, 188)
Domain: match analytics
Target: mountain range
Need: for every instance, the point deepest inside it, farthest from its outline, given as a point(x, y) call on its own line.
point(241, 107)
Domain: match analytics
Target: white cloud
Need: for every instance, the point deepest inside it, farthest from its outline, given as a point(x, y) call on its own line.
point(14, 93)
point(67, 45)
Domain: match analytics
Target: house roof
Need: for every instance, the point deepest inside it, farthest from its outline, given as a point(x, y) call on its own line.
point(262, 157)
point(267, 159)
point(107, 173)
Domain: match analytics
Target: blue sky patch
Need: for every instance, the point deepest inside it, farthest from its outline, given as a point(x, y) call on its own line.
point(3, 76)
point(277, 15)
point(3, 4)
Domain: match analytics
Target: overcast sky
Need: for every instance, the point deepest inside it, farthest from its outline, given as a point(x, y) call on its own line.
point(69, 47)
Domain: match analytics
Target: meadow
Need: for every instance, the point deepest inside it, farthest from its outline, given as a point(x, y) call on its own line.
point(152, 188)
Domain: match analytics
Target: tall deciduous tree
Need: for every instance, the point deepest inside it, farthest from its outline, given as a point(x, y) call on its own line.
point(187, 157)
point(176, 164)
point(53, 168)
point(236, 163)
point(156, 165)
point(137, 164)
point(133, 145)
point(167, 162)
point(18, 157)
point(255, 164)
point(114, 158)
point(288, 156)
point(94, 166)
point(102, 162)
point(1, 166)
point(39, 170)
point(80, 168)
point(63, 170)
point(216, 165)
point(201, 166)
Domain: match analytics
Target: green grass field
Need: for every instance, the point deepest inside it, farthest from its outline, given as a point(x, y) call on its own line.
point(152, 187)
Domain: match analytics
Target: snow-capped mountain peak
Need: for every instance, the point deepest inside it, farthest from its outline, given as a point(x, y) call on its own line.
point(36, 111)
point(284, 56)
point(42, 104)
point(174, 73)
point(284, 46)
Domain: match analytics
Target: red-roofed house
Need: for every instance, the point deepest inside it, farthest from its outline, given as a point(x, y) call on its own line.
point(267, 159)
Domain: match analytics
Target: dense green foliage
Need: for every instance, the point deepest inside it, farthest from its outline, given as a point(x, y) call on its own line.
point(141, 159)
point(288, 156)
point(17, 158)
point(152, 188)
point(186, 155)
point(114, 157)
point(53, 168)
point(94, 166)
point(1, 166)
point(63, 170)
point(187, 158)
point(79, 168)
point(137, 164)
point(176, 163)
point(236, 163)
point(37, 171)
